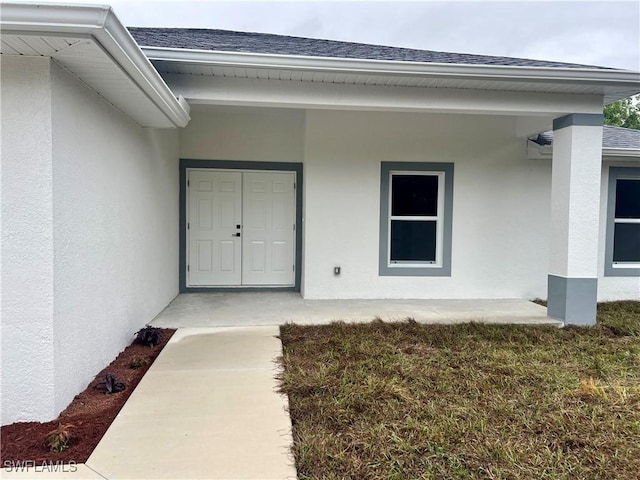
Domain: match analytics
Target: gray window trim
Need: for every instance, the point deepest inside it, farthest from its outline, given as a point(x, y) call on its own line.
point(616, 173)
point(445, 269)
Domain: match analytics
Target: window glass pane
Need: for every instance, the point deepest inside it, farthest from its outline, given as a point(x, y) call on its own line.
point(414, 195)
point(413, 240)
point(626, 242)
point(628, 198)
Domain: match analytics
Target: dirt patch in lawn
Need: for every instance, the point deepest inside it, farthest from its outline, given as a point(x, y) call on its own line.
point(90, 413)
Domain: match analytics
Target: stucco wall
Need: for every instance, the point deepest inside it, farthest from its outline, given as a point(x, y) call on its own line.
point(226, 133)
point(100, 196)
point(342, 152)
point(501, 217)
point(116, 230)
point(26, 254)
point(500, 205)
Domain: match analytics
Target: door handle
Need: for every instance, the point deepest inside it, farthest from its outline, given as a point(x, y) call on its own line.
point(235, 234)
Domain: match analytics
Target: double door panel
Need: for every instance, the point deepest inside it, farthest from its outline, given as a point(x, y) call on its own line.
point(241, 228)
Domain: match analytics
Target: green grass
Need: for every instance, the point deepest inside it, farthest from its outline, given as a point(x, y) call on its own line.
point(412, 401)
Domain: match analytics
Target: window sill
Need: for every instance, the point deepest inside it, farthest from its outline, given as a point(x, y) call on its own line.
point(623, 270)
point(414, 271)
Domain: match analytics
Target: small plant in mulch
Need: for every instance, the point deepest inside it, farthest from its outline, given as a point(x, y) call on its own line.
point(138, 362)
point(90, 413)
point(110, 384)
point(148, 335)
point(58, 439)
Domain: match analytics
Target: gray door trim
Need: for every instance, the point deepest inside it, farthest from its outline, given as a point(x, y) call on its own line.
point(186, 163)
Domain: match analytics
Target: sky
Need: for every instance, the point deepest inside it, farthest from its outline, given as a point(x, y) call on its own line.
point(592, 32)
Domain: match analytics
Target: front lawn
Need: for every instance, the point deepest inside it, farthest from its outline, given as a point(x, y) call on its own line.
point(412, 401)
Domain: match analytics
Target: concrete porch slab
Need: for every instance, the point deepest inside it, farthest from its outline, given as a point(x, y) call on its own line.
point(275, 308)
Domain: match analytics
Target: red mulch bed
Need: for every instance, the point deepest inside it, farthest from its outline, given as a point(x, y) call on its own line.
point(91, 412)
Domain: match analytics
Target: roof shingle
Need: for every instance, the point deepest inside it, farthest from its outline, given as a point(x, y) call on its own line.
point(230, 41)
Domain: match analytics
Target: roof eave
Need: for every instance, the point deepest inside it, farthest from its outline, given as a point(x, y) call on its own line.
point(621, 152)
point(618, 78)
point(546, 151)
point(99, 23)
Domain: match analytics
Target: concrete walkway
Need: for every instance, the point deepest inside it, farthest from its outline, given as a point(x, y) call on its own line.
point(206, 409)
point(274, 308)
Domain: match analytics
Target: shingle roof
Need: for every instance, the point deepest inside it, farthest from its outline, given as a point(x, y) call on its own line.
point(612, 137)
point(230, 41)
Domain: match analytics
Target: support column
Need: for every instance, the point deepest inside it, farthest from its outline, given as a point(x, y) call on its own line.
point(575, 206)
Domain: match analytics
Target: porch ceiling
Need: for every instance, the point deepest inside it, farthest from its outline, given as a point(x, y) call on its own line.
point(258, 92)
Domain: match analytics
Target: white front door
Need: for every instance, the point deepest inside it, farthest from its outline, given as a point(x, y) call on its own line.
point(241, 228)
point(214, 218)
point(268, 234)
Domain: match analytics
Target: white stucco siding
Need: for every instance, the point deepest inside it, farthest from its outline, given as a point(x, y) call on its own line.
point(577, 155)
point(115, 230)
point(89, 234)
point(27, 295)
point(612, 288)
point(500, 207)
point(226, 133)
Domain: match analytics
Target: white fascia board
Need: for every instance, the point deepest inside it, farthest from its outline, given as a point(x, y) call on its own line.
point(118, 42)
point(97, 22)
point(622, 152)
point(535, 152)
point(391, 67)
point(52, 18)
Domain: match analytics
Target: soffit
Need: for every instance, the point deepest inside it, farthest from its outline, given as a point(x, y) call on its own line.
point(85, 59)
point(35, 45)
point(609, 92)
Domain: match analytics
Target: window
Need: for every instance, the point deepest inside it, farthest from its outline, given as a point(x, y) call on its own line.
point(415, 219)
point(623, 222)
